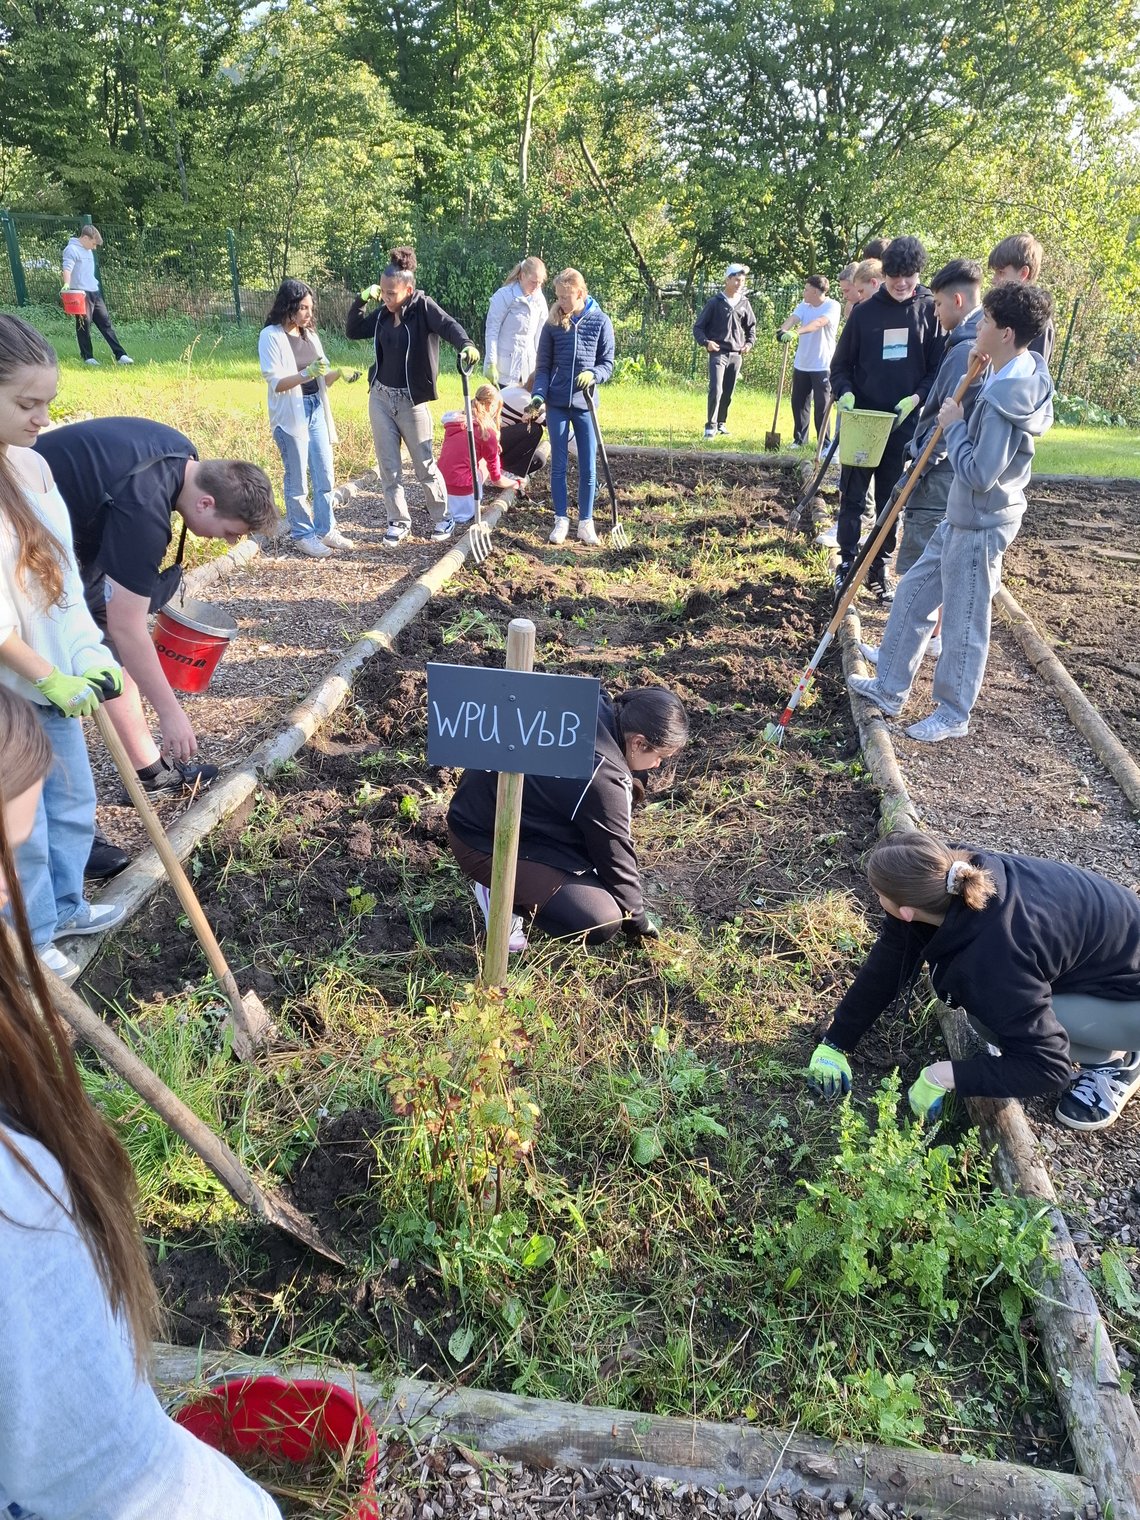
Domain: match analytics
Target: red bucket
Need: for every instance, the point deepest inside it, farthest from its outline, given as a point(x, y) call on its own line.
point(191, 638)
point(74, 302)
point(287, 1422)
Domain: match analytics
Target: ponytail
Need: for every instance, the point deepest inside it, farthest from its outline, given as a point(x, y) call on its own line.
point(487, 409)
point(40, 557)
point(921, 871)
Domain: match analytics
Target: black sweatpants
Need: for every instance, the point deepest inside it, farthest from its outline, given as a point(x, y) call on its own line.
point(561, 904)
point(97, 312)
point(723, 372)
point(806, 384)
point(855, 482)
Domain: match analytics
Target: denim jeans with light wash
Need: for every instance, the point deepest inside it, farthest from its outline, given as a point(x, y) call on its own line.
point(396, 419)
point(960, 570)
point(302, 461)
point(559, 421)
point(50, 865)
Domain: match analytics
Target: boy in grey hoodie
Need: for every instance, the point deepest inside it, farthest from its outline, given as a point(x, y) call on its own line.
point(960, 568)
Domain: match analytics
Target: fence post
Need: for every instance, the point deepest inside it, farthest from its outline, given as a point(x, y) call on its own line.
point(235, 280)
point(12, 243)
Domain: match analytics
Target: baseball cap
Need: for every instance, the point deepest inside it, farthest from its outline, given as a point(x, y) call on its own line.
point(735, 269)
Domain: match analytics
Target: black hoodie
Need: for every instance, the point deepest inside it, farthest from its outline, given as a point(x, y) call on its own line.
point(425, 323)
point(571, 825)
point(1050, 928)
point(887, 350)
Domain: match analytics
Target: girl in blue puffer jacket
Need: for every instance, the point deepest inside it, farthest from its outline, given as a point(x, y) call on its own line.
point(575, 351)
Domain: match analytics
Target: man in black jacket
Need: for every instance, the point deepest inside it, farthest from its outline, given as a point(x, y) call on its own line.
point(885, 361)
point(727, 329)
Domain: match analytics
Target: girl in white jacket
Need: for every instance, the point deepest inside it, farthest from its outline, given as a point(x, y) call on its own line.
point(514, 320)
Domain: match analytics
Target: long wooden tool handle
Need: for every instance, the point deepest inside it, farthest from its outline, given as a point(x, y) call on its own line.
point(171, 864)
point(780, 385)
point(887, 521)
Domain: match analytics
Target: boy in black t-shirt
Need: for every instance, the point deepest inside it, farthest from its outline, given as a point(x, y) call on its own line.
point(886, 360)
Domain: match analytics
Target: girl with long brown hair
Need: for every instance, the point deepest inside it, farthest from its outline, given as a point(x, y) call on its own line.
point(82, 1436)
point(1044, 958)
point(50, 649)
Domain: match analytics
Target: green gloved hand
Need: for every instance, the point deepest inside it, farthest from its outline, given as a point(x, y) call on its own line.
point(318, 368)
point(72, 696)
point(583, 380)
point(829, 1071)
point(536, 405)
point(105, 679)
point(926, 1097)
point(784, 335)
point(491, 370)
point(905, 407)
point(468, 356)
point(846, 402)
point(371, 293)
point(648, 926)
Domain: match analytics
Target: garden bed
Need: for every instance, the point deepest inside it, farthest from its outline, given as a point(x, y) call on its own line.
point(648, 1253)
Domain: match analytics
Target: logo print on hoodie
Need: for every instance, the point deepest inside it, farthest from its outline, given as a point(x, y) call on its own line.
point(895, 342)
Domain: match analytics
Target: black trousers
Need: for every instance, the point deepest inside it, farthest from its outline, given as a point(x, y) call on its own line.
point(854, 485)
point(723, 372)
point(806, 385)
point(524, 449)
point(96, 312)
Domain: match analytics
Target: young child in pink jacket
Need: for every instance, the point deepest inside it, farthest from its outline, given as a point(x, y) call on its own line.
point(455, 456)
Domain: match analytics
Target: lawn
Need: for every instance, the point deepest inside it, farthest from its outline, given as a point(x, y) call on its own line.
point(207, 383)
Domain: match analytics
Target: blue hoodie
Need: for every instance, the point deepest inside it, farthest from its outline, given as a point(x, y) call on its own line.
point(992, 453)
point(951, 373)
point(563, 353)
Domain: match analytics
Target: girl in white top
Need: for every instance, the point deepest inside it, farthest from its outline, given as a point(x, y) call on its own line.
point(50, 649)
point(298, 374)
point(514, 320)
point(82, 1436)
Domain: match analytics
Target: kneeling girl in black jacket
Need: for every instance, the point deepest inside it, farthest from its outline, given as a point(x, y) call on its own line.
point(1043, 957)
point(577, 870)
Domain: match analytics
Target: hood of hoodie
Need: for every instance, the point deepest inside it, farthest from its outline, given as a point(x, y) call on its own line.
point(1025, 400)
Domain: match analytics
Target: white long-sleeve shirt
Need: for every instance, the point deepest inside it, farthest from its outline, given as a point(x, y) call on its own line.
point(514, 321)
point(81, 1437)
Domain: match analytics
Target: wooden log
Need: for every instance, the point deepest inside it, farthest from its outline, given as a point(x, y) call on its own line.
point(548, 1431)
point(895, 807)
point(508, 817)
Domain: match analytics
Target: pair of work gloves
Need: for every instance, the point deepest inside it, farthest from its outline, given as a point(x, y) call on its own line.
point(583, 381)
point(829, 1076)
point(846, 403)
point(79, 696)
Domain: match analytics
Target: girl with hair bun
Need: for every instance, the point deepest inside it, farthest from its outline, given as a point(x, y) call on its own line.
point(1044, 958)
point(405, 327)
point(577, 869)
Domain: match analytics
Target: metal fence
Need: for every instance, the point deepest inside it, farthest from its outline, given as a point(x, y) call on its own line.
point(221, 275)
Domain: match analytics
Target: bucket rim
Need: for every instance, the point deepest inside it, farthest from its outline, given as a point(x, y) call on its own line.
point(201, 617)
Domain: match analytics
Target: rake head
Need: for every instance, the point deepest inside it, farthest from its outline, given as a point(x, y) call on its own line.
point(479, 538)
point(618, 536)
point(774, 734)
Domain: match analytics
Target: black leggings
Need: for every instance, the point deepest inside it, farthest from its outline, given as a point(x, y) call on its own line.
point(560, 903)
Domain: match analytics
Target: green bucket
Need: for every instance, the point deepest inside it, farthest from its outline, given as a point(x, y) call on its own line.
point(863, 437)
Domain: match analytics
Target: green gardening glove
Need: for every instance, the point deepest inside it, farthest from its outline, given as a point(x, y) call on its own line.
point(905, 407)
point(784, 335)
point(469, 356)
point(318, 368)
point(105, 679)
point(584, 379)
point(926, 1097)
point(371, 293)
point(491, 370)
point(535, 406)
point(829, 1071)
point(72, 696)
point(846, 402)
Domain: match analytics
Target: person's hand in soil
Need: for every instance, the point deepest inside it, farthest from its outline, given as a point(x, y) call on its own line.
point(179, 741)
point(928, 1094)
point(645, 927)
point(829, 1071)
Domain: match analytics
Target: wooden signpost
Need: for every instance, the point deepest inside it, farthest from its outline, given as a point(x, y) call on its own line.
point(519, 724)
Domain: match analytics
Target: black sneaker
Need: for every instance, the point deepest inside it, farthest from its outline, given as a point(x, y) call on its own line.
point(842, 571)
point(105, 860)
point(1098, 1094)
point(164, 778)
point(881, 582)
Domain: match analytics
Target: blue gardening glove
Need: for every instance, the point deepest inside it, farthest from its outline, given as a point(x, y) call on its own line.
point(926, 1097)
point(846, 402)
point(829, 1071)
point(105, 679)
point(72, 696)
point(584, 379)
point(905, 407)
point(784, 335)
point(469, 356)
point(370, 293)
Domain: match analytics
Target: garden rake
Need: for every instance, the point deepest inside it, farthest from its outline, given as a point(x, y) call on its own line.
point(479, 536)
point(618, 535)
point(774, 733)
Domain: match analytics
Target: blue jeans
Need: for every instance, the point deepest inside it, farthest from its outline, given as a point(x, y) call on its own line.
point(50, 865)
point(959, 570)
point(300, 462)
point(559, 421)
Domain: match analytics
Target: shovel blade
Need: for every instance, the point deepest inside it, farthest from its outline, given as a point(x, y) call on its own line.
point(772, 441)
point(252, 1027)
point(276, 1210)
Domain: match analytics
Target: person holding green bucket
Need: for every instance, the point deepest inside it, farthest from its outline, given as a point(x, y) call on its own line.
point(885, 361)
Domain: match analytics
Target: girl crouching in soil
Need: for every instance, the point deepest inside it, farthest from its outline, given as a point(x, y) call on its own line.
point(455, 455)
point(82, 1436)
point(577, 869)
point(1043, 957)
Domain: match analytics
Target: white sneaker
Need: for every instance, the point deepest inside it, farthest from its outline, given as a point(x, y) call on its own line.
point(312, 546)
point(869, 653)
point(56, 961)
point(97, 918)
point(396, 534)
point(124, 359)
point(936, 727)
point(517, 942)
point(335, 539)
point(443, 530)
point(869, 689)
point(91, 361)
point(710, 431)
point(587, 533)
point(722, 430)
point(560, 530)
point(934, 648)
point(828, 539)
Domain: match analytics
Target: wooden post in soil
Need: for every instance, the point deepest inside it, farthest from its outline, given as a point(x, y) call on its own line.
point(508, 814)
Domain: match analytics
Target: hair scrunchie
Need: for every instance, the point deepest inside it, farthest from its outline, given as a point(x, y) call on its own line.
point(954, 875)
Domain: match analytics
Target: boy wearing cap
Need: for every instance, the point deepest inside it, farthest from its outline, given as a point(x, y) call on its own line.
point(816, 320)
point(727, 329)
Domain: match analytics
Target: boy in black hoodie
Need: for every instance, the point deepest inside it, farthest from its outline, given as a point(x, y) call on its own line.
point(886, 360)
point(727, 328)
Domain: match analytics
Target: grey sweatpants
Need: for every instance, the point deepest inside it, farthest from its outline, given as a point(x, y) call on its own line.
point(1099, 1031)
point(394, 418)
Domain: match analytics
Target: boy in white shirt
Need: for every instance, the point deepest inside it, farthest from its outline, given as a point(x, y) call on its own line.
point(816, 320)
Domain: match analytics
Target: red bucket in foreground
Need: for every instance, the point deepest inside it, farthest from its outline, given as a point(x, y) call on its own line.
point(287, 1422)
point(191, 638)
point(74, 302)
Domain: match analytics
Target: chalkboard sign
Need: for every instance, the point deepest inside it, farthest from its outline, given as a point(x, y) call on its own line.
point(508, 720)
